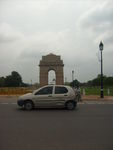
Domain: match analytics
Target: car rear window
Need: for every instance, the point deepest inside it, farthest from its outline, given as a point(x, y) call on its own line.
point(60, 90)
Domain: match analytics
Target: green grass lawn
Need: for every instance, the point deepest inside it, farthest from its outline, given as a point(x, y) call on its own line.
point(96, 91)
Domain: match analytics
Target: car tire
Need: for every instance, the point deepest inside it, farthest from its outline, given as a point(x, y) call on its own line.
point(70, 105)
point(28, 105)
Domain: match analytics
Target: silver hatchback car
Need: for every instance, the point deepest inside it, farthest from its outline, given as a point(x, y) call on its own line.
point(49, 96)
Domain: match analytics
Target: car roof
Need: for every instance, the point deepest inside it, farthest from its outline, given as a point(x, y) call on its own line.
point(55, 85)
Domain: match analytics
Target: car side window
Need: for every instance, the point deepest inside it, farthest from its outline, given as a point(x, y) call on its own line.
point(60, 90)
point(45, 91)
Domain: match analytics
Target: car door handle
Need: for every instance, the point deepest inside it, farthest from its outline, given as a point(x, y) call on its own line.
point(65, 95)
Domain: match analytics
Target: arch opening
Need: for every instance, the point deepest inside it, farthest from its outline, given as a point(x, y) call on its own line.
point(51, 77)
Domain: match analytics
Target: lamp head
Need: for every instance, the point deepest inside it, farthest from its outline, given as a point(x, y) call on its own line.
point(101, 45)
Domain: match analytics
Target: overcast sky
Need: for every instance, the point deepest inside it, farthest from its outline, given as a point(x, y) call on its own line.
point(70, 28)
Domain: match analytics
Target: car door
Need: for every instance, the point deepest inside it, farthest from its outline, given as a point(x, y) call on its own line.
point(43, 97)
point(60, 95)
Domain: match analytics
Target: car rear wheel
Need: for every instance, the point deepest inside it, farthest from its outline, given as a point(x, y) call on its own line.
point(28, 105)
point(70, 105)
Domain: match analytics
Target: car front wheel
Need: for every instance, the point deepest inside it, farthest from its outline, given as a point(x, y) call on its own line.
point(28, 105)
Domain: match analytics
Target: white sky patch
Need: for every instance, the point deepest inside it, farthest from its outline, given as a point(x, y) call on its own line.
point(70, 28)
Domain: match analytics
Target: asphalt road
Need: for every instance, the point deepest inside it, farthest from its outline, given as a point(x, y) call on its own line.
point(88, 127)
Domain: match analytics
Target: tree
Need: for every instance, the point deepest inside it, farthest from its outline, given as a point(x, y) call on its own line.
point(16, 79)
point(107, 81)
point(8, 81)
point(13, 80)
point(75, 83)
point(2, 81)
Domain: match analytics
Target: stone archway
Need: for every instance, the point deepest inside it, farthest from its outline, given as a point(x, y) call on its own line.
point(51, 62)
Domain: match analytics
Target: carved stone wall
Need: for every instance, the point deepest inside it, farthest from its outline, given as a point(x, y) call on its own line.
point(51, 62)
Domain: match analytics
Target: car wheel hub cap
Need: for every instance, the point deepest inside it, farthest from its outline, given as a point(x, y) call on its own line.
point(28, 106)
point(70, 105)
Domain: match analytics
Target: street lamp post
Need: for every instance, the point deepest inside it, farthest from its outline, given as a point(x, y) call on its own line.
point(73, 77)
point(101, 45)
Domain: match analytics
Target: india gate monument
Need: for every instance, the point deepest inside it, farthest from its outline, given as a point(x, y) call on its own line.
point(48, 63)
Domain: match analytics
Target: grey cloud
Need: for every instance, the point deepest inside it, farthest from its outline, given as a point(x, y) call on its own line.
point(98, 16)
point(30, 55)
point(8, 34)
point(98, 22)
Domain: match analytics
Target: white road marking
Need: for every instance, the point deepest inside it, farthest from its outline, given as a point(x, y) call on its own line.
point(8, 103)
point(4, 103)
point(14, 103)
